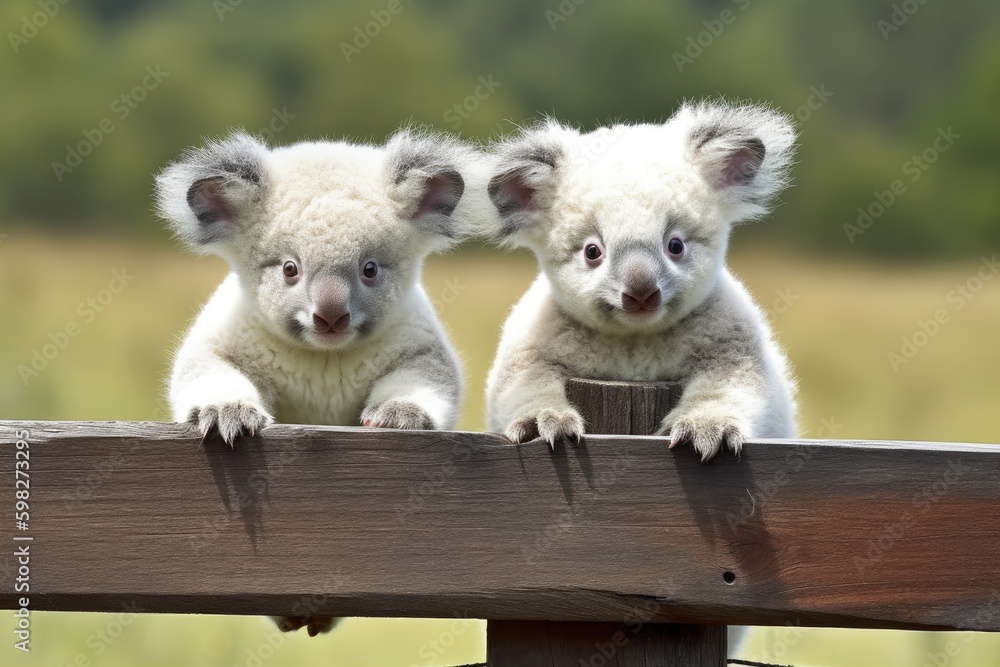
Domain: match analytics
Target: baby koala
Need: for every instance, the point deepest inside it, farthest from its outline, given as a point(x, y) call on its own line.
point(322, 319)
point(630, 226)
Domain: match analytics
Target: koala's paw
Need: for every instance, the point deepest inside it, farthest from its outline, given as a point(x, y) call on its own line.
point(550, 425)
point(397, 413)
point(314, 625)
point(707, 433)
point(231, 419)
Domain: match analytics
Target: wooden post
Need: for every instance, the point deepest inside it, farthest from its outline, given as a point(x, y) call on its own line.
point(622, 408)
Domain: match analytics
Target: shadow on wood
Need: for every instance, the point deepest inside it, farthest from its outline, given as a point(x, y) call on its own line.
point(628, 408)
point(360, 522)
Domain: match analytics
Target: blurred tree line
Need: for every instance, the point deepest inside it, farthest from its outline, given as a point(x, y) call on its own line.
point(100, 94)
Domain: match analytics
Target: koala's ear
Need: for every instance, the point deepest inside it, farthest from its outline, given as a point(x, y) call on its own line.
point(744, 152)
point(206, 194)
point(524, 173)
point(425, 173)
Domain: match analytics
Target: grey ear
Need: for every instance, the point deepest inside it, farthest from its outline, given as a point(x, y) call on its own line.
point(731, 161)
point(744, 152)
point(424, 169)
point(525, 167)
point(205, 194)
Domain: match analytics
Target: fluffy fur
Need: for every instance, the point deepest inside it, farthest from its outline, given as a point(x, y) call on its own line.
point(640, 311)
point(327, 344)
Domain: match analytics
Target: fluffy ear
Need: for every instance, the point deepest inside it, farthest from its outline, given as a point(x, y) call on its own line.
point(425, 172)
point(205, 194)
point(524, 173)
point(743, 151)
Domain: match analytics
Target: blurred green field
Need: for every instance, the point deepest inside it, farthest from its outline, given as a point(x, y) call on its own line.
point(838, 320)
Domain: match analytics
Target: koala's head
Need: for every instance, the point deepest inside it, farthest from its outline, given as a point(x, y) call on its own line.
point(631, 223)
point(327, 238)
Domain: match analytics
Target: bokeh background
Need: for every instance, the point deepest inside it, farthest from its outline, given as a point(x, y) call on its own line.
point(97, 95)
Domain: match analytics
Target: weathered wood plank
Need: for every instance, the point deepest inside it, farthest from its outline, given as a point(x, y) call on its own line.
point(359, 522)
point(634, 408)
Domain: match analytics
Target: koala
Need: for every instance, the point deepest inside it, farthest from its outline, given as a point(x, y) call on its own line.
point(630, 225)
point(322, 319)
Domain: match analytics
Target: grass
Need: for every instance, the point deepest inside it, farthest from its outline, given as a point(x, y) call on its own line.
point(838, 321)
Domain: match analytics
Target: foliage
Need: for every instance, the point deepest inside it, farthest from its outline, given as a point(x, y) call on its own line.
point(309, 69)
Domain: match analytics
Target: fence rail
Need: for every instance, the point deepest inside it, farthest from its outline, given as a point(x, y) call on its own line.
point(364, 522)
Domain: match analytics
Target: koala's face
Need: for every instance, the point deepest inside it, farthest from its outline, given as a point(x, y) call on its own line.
point(327, 238)
point(631, 223)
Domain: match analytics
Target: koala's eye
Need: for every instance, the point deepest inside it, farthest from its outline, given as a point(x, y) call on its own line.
point(290, 269)
point(675, 248)
point(369, 270)
point(593, 253)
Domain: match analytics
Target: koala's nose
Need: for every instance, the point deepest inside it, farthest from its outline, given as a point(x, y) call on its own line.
point(331, 312)
point(639, 298)
point(327, 323)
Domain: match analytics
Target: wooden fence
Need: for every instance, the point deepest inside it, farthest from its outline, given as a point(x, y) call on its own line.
point(617, 547)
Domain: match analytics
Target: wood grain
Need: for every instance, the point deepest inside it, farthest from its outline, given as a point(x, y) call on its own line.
point(622, 408)
point(360, 522)
point(631, 408)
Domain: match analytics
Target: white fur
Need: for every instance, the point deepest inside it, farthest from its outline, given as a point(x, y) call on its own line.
point(630, 190)
point(253, 355)
point(303, 385)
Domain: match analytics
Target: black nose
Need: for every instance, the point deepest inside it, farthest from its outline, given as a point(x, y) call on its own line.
point(327, 323)
point(634, 300)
